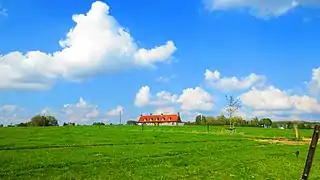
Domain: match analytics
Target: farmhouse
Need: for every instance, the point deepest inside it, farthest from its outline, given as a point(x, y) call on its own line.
point(160, 120)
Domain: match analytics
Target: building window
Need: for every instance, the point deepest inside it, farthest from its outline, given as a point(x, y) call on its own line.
point(145, 120)
point(157, 119)
point(169, 118)
point(151, 119)
point(163, 119)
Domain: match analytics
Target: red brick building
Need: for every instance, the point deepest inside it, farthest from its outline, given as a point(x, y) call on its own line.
point(160, 120)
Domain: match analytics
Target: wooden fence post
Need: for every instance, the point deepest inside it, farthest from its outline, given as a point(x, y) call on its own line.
point(297, 131)
point(312, 150)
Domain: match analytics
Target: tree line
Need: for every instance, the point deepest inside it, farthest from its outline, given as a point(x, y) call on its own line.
point(222, 120)
point(43, 120)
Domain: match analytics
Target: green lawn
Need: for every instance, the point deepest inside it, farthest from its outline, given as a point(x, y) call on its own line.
point(127, 152)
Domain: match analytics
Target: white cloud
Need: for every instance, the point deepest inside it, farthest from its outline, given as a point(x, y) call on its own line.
point(115, 112)
point(214, 80)
point(163, 98)
point(143, 97)
point(195, 99)
point(190, 99)
point(163, 79)
point(97, 44)
point(273, 99)
point(11, 114)
point(260, 8)
point(314, 84)
point(81, 111)
point(165, 110)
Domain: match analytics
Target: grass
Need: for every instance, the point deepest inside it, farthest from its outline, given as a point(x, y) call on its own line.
point(127, 152)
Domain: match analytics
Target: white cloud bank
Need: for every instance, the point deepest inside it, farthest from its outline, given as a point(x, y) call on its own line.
point(226, 84)
point(274, 99)
point(314, 84)
point(260, 8)
point(97, 44)
point(191, 99)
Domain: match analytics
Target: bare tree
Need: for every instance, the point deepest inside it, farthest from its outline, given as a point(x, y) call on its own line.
point(232, 106)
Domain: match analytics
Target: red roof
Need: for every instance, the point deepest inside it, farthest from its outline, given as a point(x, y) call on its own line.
point(160, 118)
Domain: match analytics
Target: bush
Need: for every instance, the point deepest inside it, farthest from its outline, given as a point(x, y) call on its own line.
point(69, 124)
point(98, 124)
point(40, 120)
point(22, 125)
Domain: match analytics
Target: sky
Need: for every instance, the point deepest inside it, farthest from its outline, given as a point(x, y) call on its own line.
point(89, 61)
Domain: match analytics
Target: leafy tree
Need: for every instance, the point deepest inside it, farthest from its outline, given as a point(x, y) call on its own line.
point(98, 124)
point(266, 122)
point(289, 125)
point(69, 124)
point(201, 120)
point(302, 126)
point(1, 125)
point(131, 122)
point(254, 121)
point(232, 106)
point(221, 119)
point(22, 125)
point(40, 120)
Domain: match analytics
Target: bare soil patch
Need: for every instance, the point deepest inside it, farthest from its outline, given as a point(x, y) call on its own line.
point(303, 141)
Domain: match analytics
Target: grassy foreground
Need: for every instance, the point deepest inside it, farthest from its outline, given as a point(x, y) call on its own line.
point(127, 152)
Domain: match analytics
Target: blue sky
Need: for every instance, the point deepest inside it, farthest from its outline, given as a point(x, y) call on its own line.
point(158, 56)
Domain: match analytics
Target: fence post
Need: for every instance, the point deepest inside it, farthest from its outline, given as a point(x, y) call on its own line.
point(208, 127)
point(312, 150)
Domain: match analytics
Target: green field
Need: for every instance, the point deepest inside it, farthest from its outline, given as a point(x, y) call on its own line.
point(127, 152)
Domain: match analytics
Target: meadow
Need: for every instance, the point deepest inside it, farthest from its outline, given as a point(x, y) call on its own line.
point(127, 152)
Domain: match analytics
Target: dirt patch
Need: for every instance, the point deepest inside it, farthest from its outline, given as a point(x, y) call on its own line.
point(284, 141)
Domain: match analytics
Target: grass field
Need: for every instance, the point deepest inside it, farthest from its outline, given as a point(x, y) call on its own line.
point(127, 152)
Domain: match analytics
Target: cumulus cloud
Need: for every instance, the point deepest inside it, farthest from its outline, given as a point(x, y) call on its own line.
point(273, 99)
point(191, 99)
point(260, 8)
point(11, 114)
point(216, 81)
point(144, 97)
point(314, 84)
point(81, 112)
point(196, 99)
point(96, 44)
point(165, 110)
point(115, 112)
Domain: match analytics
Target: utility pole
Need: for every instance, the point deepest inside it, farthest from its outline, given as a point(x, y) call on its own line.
point(120, 116)
point(312, 150)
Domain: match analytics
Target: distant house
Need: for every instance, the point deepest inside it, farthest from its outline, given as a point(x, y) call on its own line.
point(160, 120)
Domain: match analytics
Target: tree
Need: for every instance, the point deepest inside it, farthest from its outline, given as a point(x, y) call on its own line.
point(131, 122)
point(254, 121)
point(221, 119)
point(1, 125)
point(40, 120)
point(69, 124)
point(22, 125)
point(98, 124)
point(266, 122)
point(201, 120)
point(232, 106)
point(289, 125)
